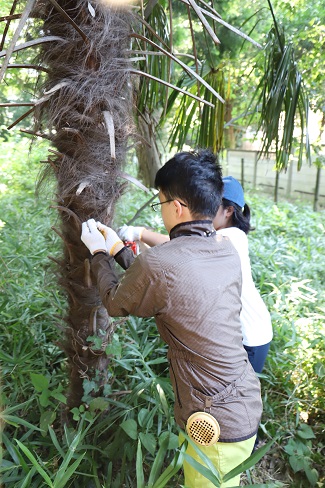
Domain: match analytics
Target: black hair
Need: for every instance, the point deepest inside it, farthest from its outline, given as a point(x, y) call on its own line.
point(240, 217)
point(195, 178)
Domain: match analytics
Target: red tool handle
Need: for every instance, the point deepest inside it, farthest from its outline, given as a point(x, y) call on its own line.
point(133, 245)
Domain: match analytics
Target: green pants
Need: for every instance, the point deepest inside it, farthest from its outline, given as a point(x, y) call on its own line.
point(225, 456)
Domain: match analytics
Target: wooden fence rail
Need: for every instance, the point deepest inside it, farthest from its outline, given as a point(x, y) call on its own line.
point(306, 184)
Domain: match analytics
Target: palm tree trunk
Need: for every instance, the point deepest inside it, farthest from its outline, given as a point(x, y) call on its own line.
point(148, 155)
point(88, 114)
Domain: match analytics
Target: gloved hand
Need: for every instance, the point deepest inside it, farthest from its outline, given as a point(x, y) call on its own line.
point(92, 238)
point(130, 233)
point(111, 238)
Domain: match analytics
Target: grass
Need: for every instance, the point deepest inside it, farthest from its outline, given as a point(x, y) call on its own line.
point(131, 426)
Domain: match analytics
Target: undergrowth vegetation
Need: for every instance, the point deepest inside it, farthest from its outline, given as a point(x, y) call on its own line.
point(128, 437)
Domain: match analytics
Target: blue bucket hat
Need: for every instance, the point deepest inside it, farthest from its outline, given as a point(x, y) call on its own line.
point(233, 191)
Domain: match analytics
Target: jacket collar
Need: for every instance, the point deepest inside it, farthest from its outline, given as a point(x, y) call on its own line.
point(194, 227)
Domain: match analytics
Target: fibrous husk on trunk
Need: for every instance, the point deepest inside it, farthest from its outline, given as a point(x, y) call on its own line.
point(87, 84)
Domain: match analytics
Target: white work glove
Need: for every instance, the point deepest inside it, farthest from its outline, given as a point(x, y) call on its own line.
point(92, 238)
point(111, 238)
point(130, 233)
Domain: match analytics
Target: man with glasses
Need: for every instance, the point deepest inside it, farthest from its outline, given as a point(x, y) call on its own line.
point(191, 285)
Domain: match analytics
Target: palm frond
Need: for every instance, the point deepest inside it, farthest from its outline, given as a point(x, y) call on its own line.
point(6, 29)
point(185, 67)
point(187, 82)
point(10, 17)
point(216, 17)
point(150, 94)
point(206, 130)
point(69, 20)
point(26, 45)
point(204, 22)
point(21, 24)
point(281, 102)
point(27, 66)
point(174, 87)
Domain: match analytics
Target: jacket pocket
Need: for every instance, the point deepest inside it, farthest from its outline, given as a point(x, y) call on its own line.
point(227, 395)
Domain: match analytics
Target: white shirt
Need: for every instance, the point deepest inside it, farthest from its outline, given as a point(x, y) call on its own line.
point(255, 318)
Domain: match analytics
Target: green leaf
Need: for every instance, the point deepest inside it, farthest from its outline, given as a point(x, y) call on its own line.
point(56, 442)
point(149, 442)
point(47, 418)
point(142, 417)
point(27, 481)
point(13, 420)
point(163, 400)
point(76, 413)
point(204, 457)
point(61, 475)
point(44, 398)
point(312, 476)
point(290, 449)
point(157, 361)
point(99, 403)
point(96, 342)
point(130, 428)
point(15, 454)
point(296, 463)
point(66, 476)
point(249, 462)
point(59, 396)
point(320, 369)
point(114, 349)
point(172, 469)
point(7, 358)
point(305, 432)
point(35, 463)
point(89, 386)
point(158, 462)
point(147, 349)
point(108, 481)
point(107, 390)
point(206, 472)
point(40, 382)
point(282, 101)
point(139, 467)
point(14, 408)
point(173, 441)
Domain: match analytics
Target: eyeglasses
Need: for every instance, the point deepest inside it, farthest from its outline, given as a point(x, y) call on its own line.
point(155, 206)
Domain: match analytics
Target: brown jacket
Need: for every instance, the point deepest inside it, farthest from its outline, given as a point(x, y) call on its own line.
point(192, 286)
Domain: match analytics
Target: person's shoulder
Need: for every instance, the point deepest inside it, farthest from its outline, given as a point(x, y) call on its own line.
point(171, 253)
point(151, 256)
point(233, 233)
point(228, 231)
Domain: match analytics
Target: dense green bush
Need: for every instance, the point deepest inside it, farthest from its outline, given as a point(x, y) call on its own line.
point(287, 254)
point(128, 436)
